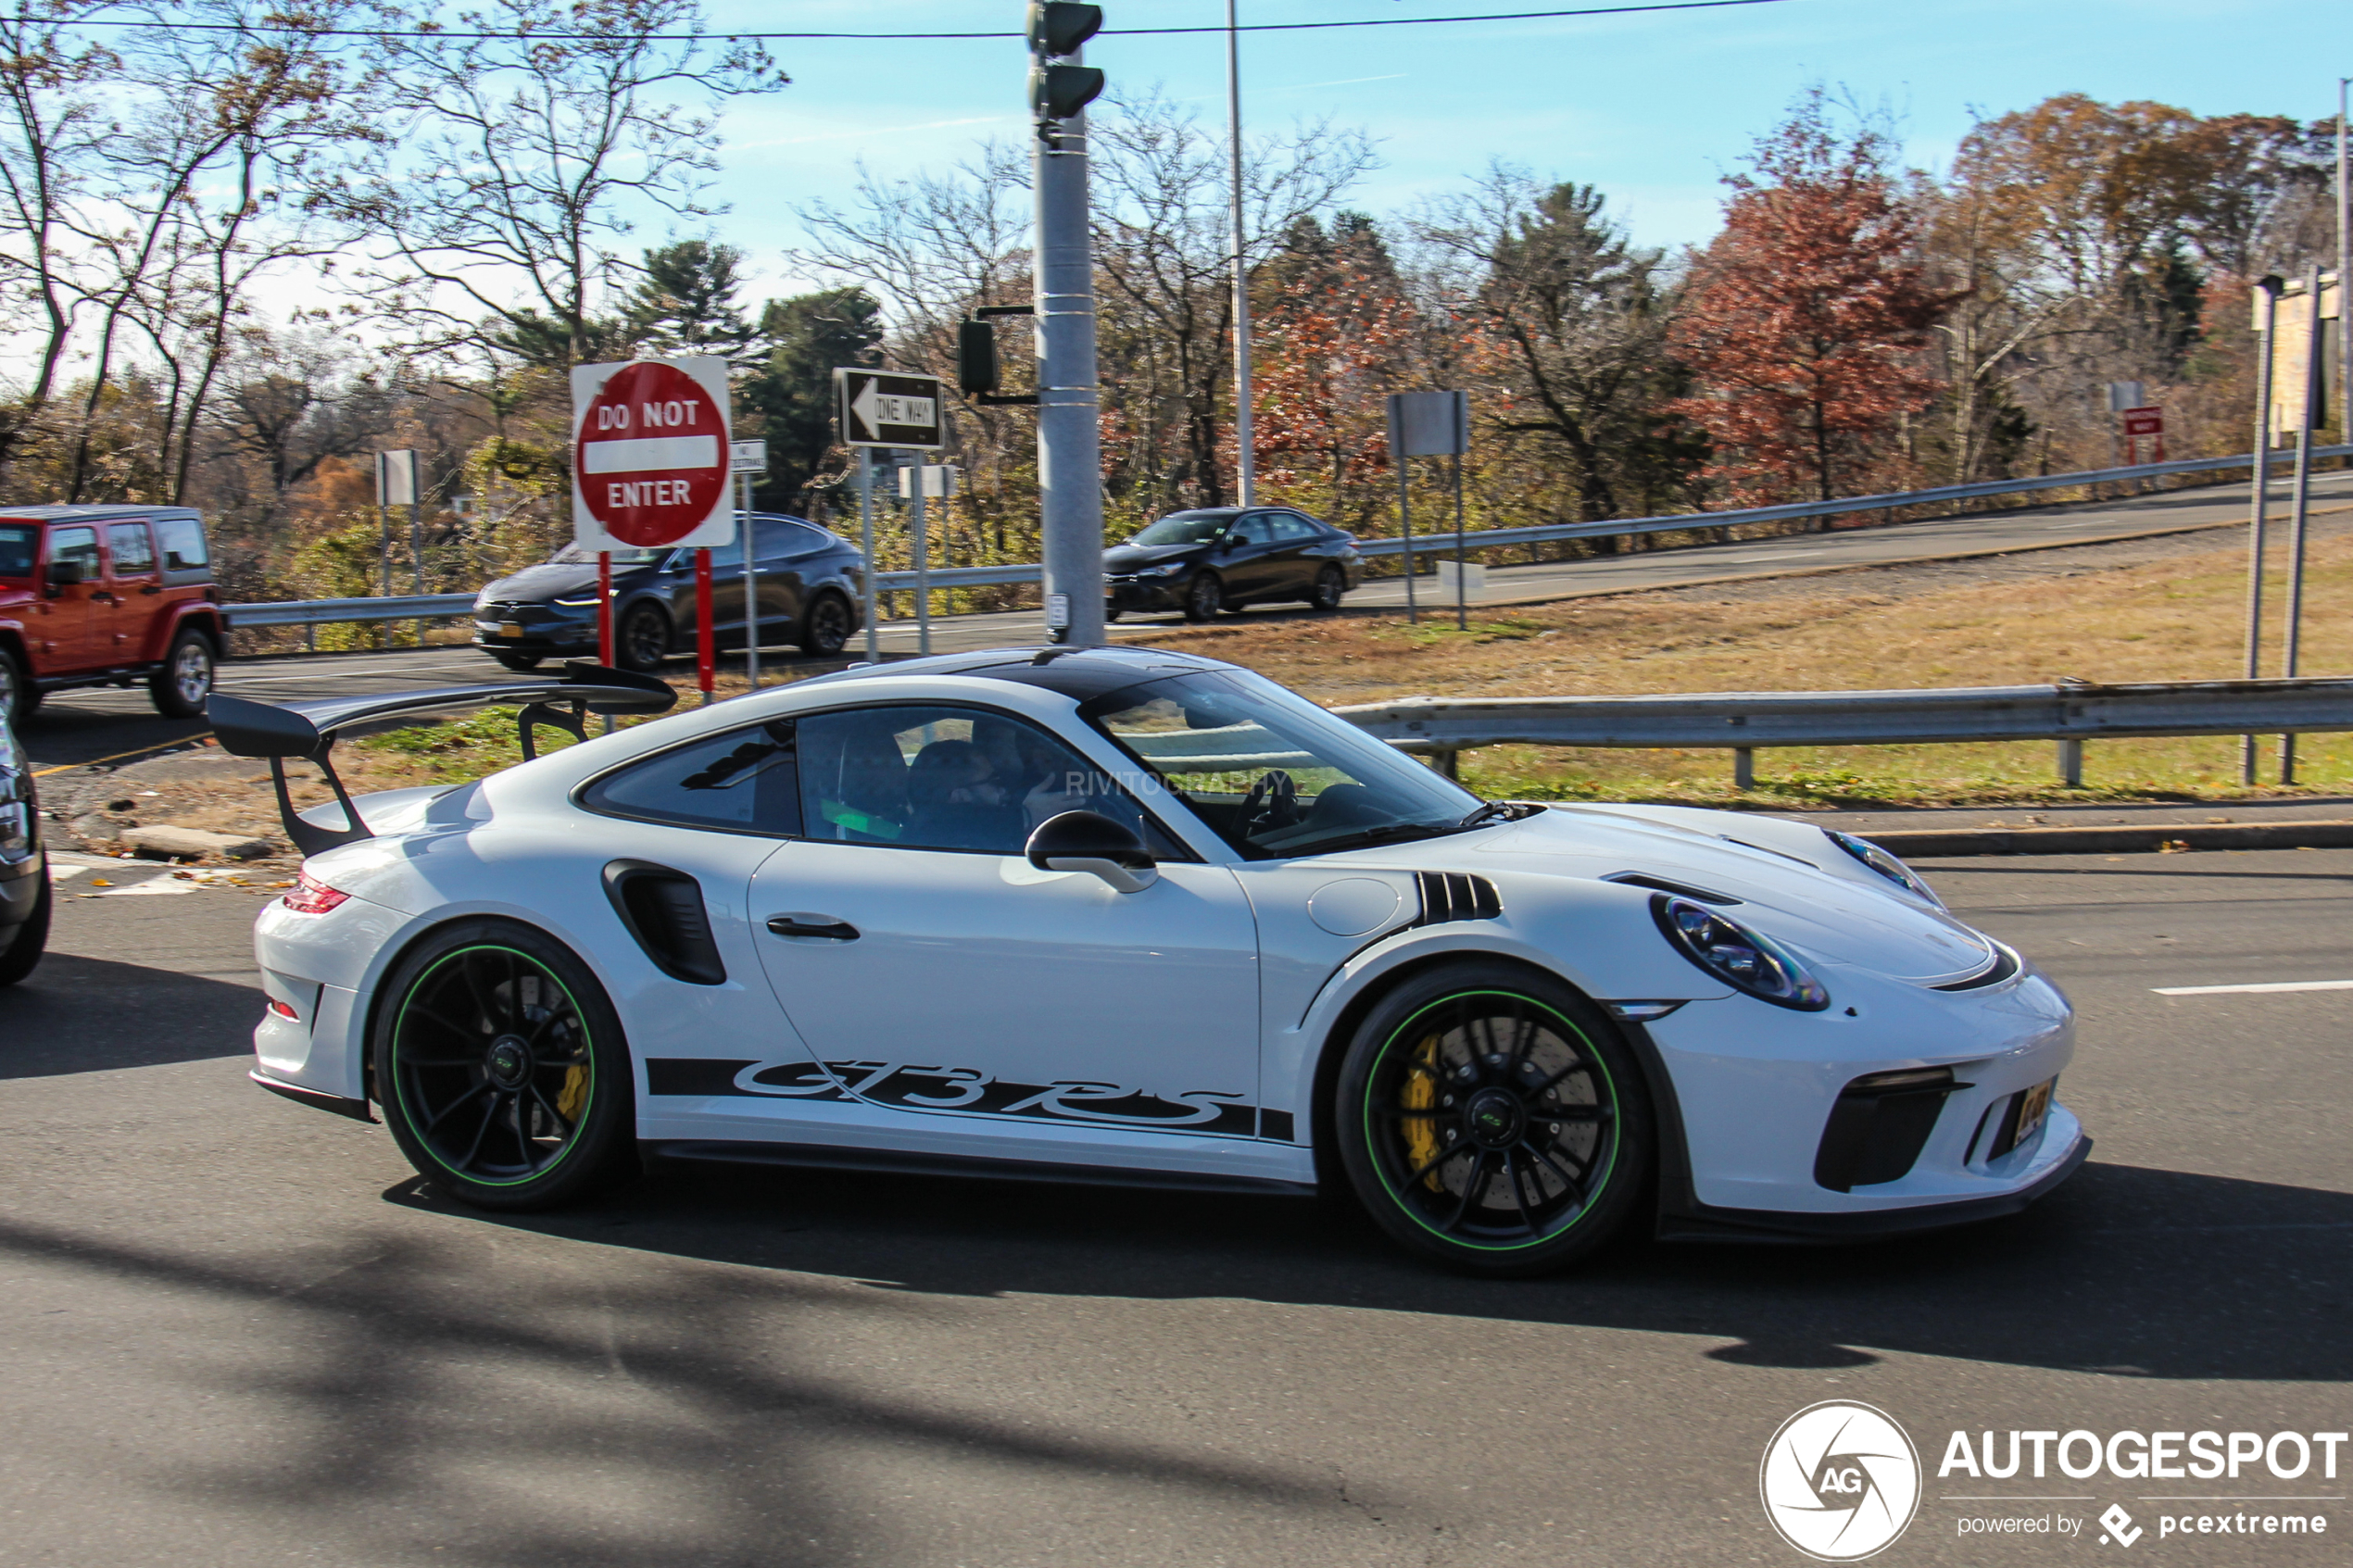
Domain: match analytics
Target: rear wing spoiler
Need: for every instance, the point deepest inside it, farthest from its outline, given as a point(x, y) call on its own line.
point(307, 730)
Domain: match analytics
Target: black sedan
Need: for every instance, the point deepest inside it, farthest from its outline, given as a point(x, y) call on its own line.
point(1224, 558)
point(806, 590)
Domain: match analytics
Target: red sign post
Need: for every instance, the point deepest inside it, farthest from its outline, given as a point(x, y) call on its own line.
point(2140, 422)
point(650, 470)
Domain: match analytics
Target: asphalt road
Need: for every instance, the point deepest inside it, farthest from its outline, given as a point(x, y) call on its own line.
point(234, 1331)
point(87, 726)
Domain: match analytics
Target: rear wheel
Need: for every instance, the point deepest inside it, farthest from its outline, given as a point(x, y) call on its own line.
point(21, 951)
point(642, 642)
point(18, 696)
point(1204, 597)
point(824, 626)
point(1491, 1118)
point(1329, 587)
point(180, 687)
point(520, 663)
point(501, 1067)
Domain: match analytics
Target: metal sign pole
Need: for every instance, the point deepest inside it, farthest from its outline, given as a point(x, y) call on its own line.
point(866, 541)
point(2267, 294)
point(2298, 507)
point(1462, 577)
point(751, 585)
point(706, 646)
point(417, 553)
point(914, 480)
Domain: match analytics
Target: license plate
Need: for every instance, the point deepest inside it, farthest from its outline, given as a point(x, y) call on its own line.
point(2033, 1106)
point(510, 628)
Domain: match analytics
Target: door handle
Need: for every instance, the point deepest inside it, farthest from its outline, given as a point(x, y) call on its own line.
point(812, 925)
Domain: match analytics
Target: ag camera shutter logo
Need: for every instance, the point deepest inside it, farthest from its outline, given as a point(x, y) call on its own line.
point(1840, 1481)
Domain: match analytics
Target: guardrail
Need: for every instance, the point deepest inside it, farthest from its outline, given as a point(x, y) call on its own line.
point(1742, 722)
point(323, 612)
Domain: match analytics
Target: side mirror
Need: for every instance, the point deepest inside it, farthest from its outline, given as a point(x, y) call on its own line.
point(63, 574)
point(1091, 842)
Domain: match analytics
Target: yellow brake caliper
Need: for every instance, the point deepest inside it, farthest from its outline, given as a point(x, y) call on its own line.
point(1420, 1093)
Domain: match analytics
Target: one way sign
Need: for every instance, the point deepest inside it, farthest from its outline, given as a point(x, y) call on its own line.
point(889, 410)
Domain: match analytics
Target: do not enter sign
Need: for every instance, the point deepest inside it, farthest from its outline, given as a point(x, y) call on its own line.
point(649, 455)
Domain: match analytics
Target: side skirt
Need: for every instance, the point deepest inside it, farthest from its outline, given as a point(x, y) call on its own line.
point(655, 1151)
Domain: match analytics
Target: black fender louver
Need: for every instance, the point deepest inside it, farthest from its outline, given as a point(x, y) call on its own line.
point(663, 911)
point(1452, 896)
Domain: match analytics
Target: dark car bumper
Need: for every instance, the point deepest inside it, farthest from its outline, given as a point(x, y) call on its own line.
point(542, 631)
point(19, 892)
point(1145, 594)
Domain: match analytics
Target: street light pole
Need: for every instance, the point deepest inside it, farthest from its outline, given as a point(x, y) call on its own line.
point(1070, 467)
point(1245, 458)
point(2343, 275)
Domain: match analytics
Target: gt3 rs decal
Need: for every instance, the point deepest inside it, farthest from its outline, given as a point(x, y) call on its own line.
point(966, 1091)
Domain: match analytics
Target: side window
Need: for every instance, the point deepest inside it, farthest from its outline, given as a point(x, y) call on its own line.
point(936, 777)
point(782, 539)
point(134, 556)
point(182, 540)
point(1293, 528)
point(740, 781)
point(1252, 528)
point(19, 541)
point(76, 544)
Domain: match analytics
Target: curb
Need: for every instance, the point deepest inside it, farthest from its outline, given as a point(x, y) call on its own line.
point(2155, 837)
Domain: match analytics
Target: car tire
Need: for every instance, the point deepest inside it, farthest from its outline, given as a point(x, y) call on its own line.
point(18, 696)
point(23, 949)
point(1438, 1113)
point(641, 640)
point(520, 664)
point(183, 680)
point(501, 1067)
point(1204, 597)
point(824, 626)
point(1329, 585)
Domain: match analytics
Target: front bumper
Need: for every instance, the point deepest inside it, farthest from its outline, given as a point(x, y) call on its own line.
point(20, 891)
point(1751, 1090)
point(1145, 593)
point(543, 631)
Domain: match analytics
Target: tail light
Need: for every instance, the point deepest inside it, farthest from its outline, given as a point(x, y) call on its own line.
point(311, 896)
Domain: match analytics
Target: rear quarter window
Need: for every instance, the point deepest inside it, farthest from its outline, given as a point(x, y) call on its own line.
point(183, 544)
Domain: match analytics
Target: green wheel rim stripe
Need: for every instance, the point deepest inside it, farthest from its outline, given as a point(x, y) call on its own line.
point(400, 1089)
point(1592, 1057)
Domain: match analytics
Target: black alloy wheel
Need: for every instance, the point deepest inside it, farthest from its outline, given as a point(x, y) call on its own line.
point(183, 680)
point(824, 626)
point(1204, 597)
point(500, 1066)
point(1491, 1118)
point(21, 949)
point(643, 640)
point(18, 696)
point(1329, 587)
point(520, 664)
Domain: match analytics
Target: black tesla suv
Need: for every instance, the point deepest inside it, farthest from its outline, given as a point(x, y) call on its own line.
point(1224, 558)
point(805, 591)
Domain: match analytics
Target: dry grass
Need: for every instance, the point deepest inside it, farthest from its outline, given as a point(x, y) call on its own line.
point(2168, 620)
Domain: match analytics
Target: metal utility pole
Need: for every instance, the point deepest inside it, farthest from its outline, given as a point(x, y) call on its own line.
point(1070, 467)
point(2267, 306)
point(1245, 457)
point(751, 585)
point(2344, 274)
point(2299, 507)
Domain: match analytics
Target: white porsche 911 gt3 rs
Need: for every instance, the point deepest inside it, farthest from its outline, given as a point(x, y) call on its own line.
point(1126, 915)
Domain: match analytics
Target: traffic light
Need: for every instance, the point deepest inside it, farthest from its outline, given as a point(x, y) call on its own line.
point(977, 367)
point(1059, 27)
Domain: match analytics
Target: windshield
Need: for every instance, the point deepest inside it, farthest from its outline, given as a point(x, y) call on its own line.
point(1185, 528)
point(17, 543)
point(1273, 774)
point(572, 554)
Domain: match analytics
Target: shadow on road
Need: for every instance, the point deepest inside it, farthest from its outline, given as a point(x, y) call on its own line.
point(2128, 1271)
point(91, 1015)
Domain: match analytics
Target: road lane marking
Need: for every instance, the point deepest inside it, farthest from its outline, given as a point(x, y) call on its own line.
point(134, 751)
point(2267, 985)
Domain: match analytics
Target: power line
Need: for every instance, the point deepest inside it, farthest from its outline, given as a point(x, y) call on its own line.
point(23, 19)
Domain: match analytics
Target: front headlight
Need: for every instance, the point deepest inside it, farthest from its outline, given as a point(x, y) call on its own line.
point(1168, 568)
point(1885, 864)
point(578, 604)
point(1744, 959)
point(16, 812)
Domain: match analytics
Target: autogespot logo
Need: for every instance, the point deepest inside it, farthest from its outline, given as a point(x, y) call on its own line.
point(1840, 1481)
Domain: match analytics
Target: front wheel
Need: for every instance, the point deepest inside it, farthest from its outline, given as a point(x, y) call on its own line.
point(180, 687)
point(824, 626)
point(1204, 597)
point(501, 1067)
point(18, 696)
point(23, 949)
point(1494, 1120)
point(642, 641)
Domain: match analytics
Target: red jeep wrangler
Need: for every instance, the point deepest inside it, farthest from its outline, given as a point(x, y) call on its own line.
point(104, 597)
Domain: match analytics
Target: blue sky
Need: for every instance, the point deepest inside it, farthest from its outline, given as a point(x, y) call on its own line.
point(1650, 108)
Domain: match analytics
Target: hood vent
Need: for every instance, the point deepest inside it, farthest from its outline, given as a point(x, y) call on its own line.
point(1452, 896)
point(1663, 884)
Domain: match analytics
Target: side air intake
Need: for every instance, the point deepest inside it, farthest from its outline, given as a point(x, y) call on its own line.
point(1452, 896)
point(663, 909)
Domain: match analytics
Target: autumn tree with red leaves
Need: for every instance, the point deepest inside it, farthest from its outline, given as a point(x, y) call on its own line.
point(1807, 316)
